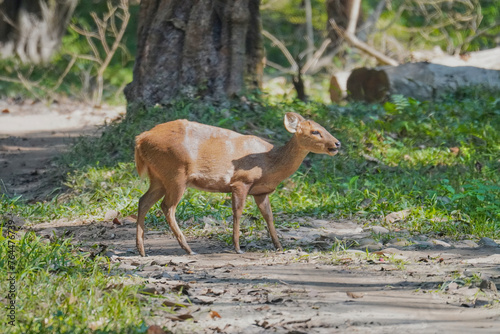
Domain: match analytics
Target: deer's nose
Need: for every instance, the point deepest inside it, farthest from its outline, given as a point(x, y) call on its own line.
point(337, 144)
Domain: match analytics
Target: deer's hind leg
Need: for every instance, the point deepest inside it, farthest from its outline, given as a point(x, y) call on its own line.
point(173, 196)
point(154, 193)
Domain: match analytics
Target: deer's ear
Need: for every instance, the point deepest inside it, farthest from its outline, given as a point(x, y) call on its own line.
point(292, 121)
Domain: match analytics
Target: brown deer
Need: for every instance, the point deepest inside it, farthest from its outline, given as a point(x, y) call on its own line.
point(181, 154)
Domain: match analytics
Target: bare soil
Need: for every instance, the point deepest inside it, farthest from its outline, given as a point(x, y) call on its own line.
point(403, 287)
point(32, 133)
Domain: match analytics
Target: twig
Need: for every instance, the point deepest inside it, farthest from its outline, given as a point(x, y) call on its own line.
point(283, 49)
point(66, 71)
point(29, 85)
point(279, 67)
point(316, 56)
point(105, 25)
point(354, 41)
point(353, 16)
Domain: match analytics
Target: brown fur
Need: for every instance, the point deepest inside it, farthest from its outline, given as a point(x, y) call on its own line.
point(181, 154)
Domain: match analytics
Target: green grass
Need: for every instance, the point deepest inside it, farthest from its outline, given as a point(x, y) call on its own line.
point(62, 290)
point(440, 160)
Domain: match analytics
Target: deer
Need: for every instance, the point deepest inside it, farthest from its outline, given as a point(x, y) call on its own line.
point(181, 154)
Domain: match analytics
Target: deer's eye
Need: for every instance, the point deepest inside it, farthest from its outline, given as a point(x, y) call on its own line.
point(315, 132)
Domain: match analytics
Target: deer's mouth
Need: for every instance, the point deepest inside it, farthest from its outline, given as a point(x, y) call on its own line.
point(332, 150)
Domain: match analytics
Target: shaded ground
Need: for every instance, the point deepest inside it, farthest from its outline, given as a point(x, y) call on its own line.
point(414, 284)
point(32, 133)
point(413, 289)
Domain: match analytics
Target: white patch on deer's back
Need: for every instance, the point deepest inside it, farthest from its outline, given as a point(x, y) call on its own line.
point(191, 144)
point(230, 149)
point(254, 145)
point(197, 134)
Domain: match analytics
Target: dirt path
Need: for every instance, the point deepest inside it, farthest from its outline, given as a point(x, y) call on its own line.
point(411, 284)
point(32, 133)
point(397, 289)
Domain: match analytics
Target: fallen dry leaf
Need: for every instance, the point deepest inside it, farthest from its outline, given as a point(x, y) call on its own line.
point(379, 253)
point(263, 308)
point(71, 298)
point(203, 300)
point(185, 316)
point(181, 317)
point(111, 214)
point(169, 303)
point(454, 150)
point(396, 216)
point(155, 329)
point(95, 325)
point(132, 219)
point(149, 291)
point(116, 221)
point(354, 295)
point(215, 292)
point(264, 324)
point(214, 314)
point(219, 330)
point(182, 288)
point(5, 111)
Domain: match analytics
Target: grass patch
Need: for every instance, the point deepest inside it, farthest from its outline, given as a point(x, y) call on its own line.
point(439, 160)
point(62, 290)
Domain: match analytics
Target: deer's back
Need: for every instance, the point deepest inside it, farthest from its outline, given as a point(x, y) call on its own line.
point(208, 156)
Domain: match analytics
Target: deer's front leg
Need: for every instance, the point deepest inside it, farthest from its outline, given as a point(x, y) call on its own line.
point(264, 205)
point(239, 195)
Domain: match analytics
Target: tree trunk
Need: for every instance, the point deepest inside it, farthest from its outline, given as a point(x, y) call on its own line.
point(338, 86)
point(32, 29)
point(196, 47)
point(339, 11)
point(422, 81)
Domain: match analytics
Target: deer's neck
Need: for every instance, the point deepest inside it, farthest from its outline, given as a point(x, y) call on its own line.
point(285, 160)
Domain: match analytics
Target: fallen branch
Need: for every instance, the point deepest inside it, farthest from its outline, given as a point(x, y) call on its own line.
point(362, 46)
point(283, 49)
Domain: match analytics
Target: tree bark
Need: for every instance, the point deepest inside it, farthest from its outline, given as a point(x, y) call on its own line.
point(32, 29)
point(422, 81)
point(338, 86)
point(340, 12)
point(196, 47)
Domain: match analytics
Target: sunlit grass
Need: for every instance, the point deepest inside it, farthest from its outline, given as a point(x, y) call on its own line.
point(62, 290)
point(438, 159)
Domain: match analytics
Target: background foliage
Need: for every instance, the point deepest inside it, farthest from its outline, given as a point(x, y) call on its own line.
point(404, 25)
point(439, 161)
